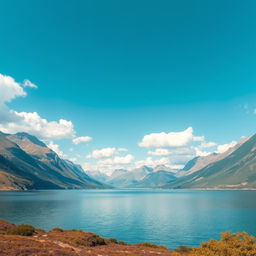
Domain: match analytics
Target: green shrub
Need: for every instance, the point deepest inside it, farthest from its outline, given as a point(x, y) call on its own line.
point(22, 230)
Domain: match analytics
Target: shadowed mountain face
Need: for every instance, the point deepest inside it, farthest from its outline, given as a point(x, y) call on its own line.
point(236, 170)
point(27, 163)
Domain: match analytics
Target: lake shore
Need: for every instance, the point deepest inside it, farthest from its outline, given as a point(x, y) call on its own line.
point(25, 240)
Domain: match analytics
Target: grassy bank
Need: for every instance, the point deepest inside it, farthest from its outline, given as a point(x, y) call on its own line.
point(25, 240)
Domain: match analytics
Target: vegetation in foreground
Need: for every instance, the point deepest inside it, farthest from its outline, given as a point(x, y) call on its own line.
point(25, 240)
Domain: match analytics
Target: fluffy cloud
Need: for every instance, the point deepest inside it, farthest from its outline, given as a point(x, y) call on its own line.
point(56, 149)
point(189, 150)
point(160, 152)
point(117, 160)
point(12, 121)
point(171, 139)
point(199, 152)
point(208, 144)
point(81, 139)
point(149, 161)
point(27, 83)
point(105, 152)
point(108, 165)
point(225, 147)
point(32, 123)
point(9, 89)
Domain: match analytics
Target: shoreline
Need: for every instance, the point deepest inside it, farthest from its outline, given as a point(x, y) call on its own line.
point(26, 240)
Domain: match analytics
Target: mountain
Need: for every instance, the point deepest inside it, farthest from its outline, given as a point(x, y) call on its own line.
point(124, 179)
point(164, 168)
point(200, 162)
point(156, 179)
point(27, 163)
point(143, 177)
point(97, 175)
point(236, 170)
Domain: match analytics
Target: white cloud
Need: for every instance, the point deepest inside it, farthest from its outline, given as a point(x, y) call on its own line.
point(198, 138)
point(81, 139)
point(200, 152)
point(225, 147)
point(189, 150)
point(117, 160)
point(108, 165)
point(9, 89)
point(12, 121)
point(160, 152)
point(27, 83)
point(105, 152)
point(171, 139)
point(34, 124)
point(56, 149)
point(208, 144)
point(149, 161)
point(72, 159)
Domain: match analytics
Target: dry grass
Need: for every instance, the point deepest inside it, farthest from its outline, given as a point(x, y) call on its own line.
point(58, 242)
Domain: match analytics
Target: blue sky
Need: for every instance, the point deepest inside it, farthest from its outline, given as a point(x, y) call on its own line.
point(120, 70)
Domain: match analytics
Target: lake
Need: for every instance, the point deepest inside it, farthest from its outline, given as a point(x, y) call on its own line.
point(167, 217)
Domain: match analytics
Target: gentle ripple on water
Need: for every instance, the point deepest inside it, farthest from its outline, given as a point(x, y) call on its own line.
point(168, 217)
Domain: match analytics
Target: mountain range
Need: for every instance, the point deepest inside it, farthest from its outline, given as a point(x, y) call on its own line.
point(232, 169)
point(27, 163)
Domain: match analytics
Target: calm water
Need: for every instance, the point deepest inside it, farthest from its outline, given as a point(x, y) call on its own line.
point(163, 217)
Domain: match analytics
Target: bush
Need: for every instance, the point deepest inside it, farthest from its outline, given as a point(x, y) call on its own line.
point(112, 240)
point(151, 245)
point(98, 241)
point(22, 230)
point(122, 243)
point(93, 240)
point(238, 244)
point(183, 249)
point(39, 231)
point(57, 229)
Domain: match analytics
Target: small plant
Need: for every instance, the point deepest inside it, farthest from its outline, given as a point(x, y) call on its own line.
point(93, 240)
point(22, 230)
point(146, 244)
point(57, 229)
point(99, 240)
point(39, 231)
point(122, 243)
point(112, 240)
point(183, 249)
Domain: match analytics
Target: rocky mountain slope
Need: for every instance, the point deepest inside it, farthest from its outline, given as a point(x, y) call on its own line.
point(200, 162)
point(237, 170)
point(27, 163)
